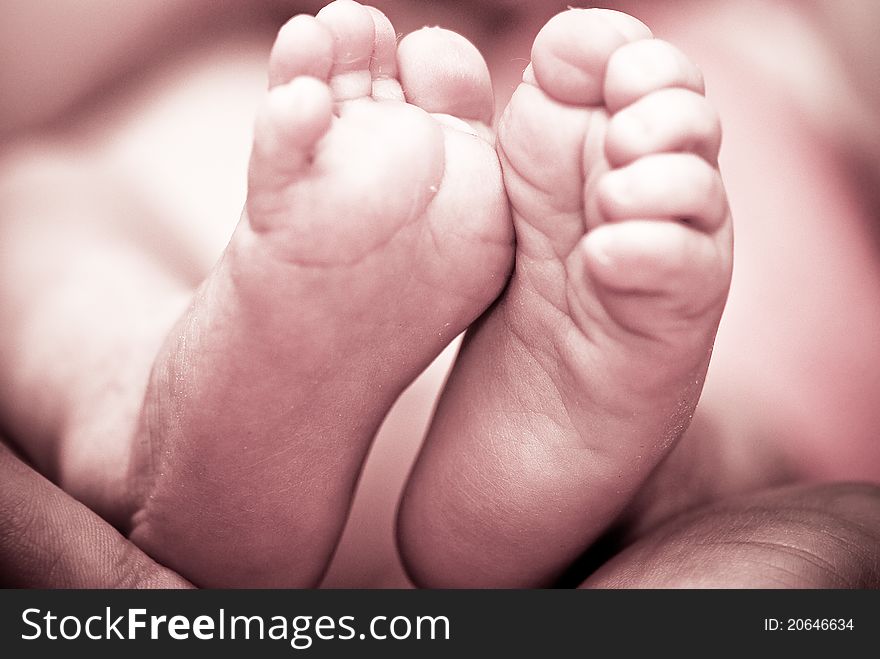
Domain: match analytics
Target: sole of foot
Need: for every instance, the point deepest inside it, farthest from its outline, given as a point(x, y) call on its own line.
point(376, 229)
point(575, 385)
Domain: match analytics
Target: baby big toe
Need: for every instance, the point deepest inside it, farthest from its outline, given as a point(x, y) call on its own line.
point(572, 50)
point(444, 74)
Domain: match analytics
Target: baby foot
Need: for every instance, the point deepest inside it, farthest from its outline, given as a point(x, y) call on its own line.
point(376, 229)
point(576, 384)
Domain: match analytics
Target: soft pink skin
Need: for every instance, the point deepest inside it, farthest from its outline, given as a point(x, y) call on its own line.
point(373, 234)
point(587, 371)
point(821, 537)
point(791, 394)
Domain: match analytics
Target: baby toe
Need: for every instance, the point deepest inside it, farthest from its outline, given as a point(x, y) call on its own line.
point(671, 186)
point(303, 47)
point(668, 120)
point(641, 67)
point(572, 50)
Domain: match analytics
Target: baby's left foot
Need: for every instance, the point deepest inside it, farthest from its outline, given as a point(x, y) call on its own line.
point(570, 391)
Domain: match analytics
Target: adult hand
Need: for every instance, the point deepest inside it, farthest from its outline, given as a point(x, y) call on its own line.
point(50, 540)
point(820, 536)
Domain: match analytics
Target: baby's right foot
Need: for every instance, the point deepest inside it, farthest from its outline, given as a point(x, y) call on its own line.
point(376, 229)
point(570, 391)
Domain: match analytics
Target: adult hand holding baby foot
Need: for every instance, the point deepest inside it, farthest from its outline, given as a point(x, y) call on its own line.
point(376, 229)
point(49, 540)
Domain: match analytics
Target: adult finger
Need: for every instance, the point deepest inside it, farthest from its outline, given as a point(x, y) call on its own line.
point(825, 536)
point(50, 540)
